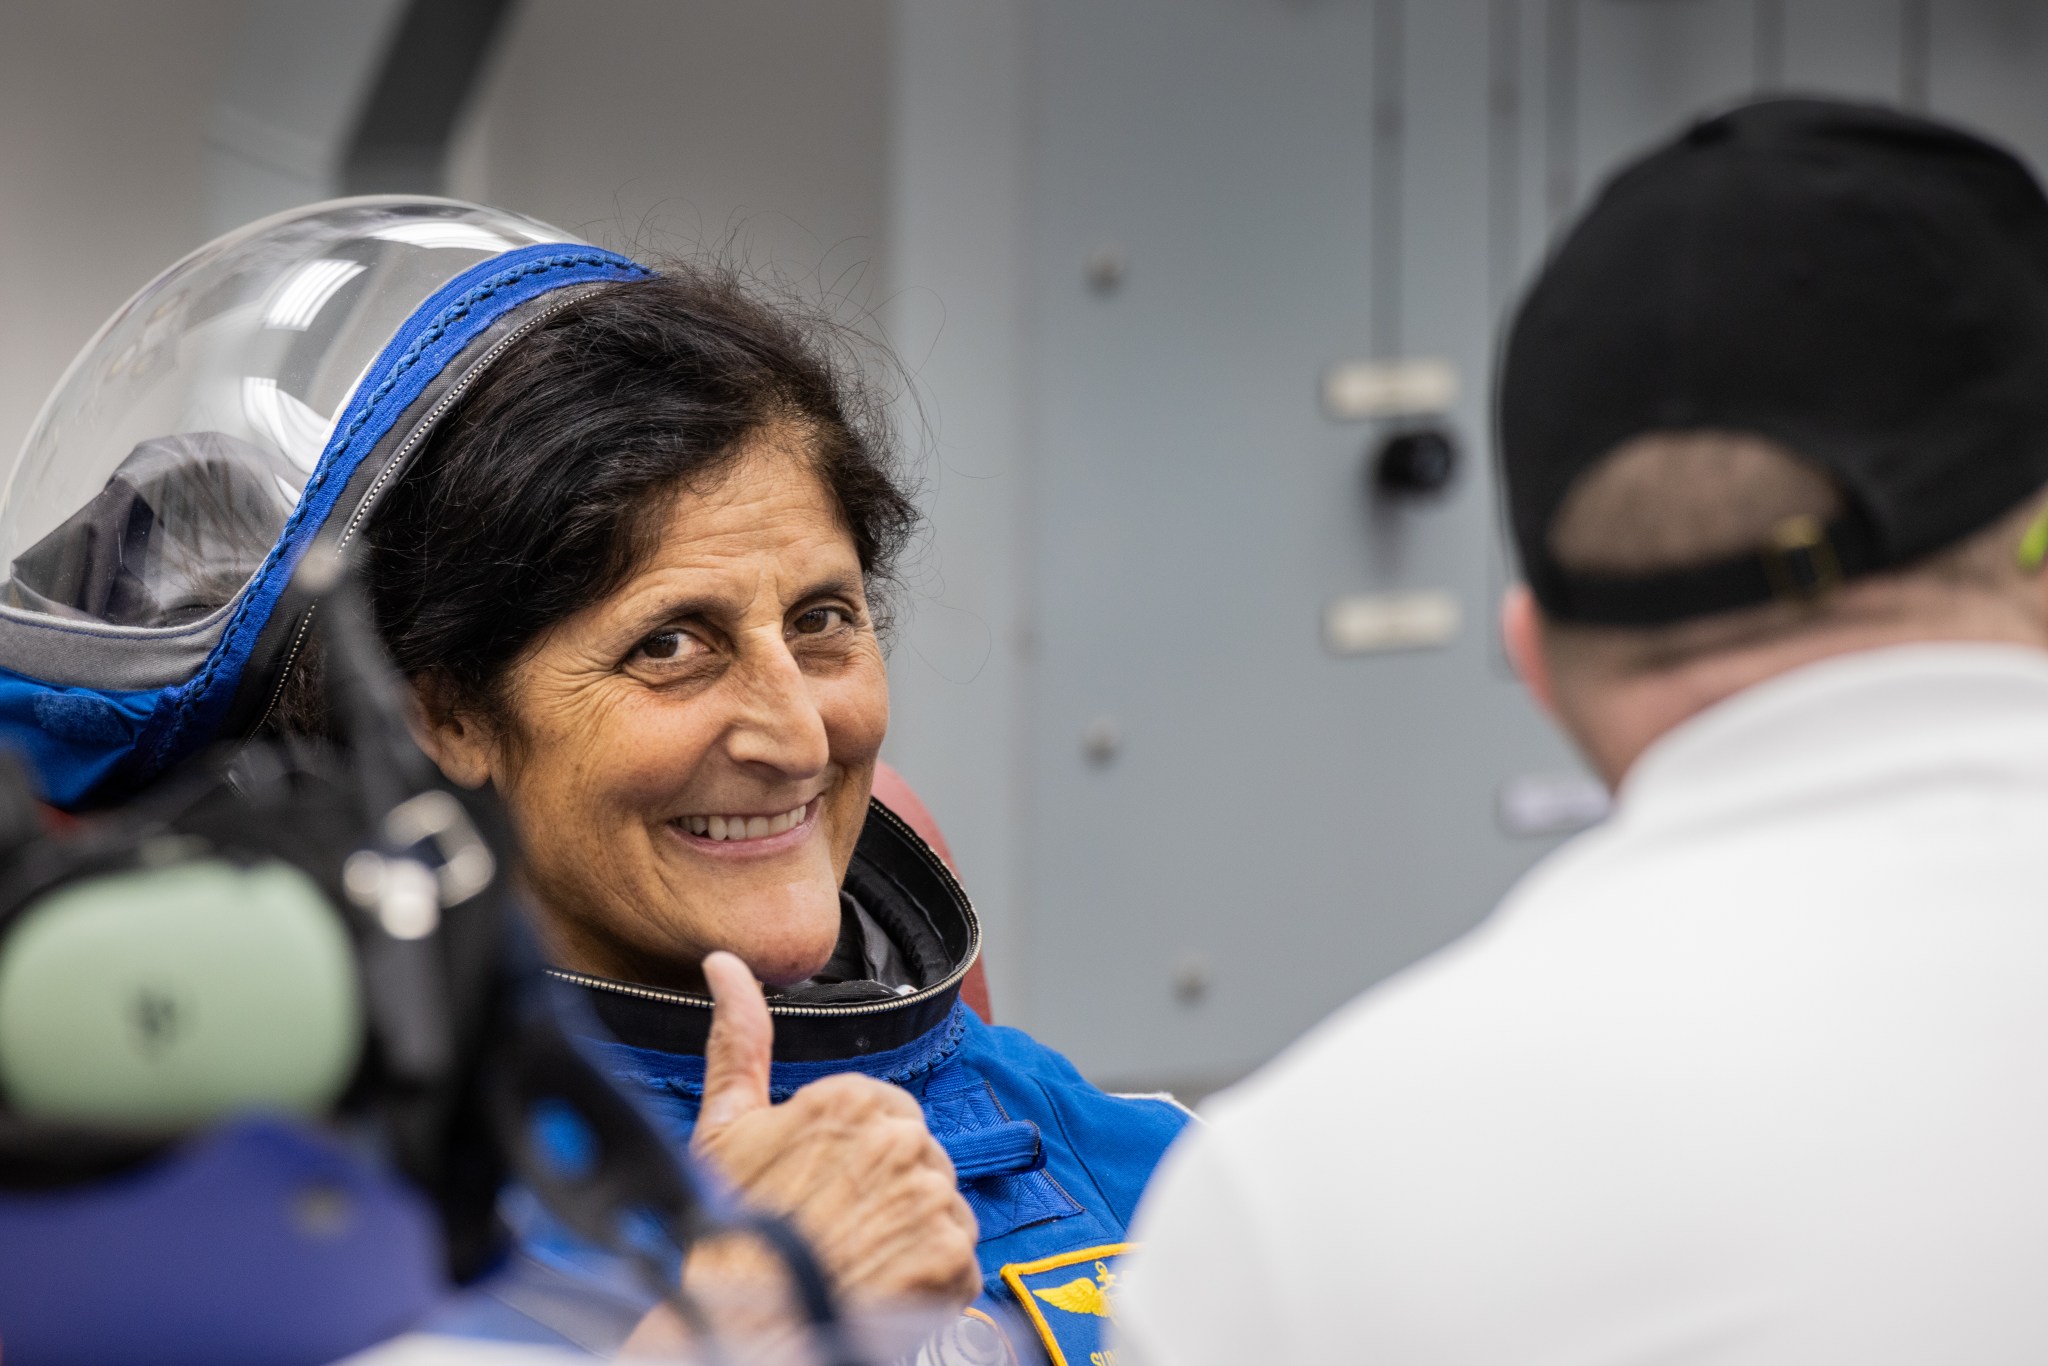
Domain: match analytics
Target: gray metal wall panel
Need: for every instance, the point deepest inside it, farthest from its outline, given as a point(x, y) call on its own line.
point(1303, 825)
point(1988, 65)
point(1299, 823)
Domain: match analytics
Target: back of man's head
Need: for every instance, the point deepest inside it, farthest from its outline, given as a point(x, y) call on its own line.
point(1781, 393)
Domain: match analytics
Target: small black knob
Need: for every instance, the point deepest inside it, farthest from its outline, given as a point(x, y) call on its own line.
point(1416, 462)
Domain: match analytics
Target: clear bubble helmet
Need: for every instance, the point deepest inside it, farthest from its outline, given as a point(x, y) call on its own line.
point(245, 409)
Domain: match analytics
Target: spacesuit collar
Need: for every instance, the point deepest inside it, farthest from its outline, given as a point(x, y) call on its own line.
point(898, 890)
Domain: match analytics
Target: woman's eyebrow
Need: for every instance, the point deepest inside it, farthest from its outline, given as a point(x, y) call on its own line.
point(678, 607)
point(831, 584)
point(684, 605)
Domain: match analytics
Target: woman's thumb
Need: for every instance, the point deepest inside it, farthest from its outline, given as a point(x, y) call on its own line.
point(741, 1045)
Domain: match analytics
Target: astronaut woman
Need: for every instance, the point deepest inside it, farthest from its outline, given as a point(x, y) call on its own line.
point(624, 532)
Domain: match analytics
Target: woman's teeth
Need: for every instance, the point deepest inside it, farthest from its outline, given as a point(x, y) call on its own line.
point(743, 827)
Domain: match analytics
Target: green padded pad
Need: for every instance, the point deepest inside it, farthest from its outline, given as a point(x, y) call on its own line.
point(162, 999)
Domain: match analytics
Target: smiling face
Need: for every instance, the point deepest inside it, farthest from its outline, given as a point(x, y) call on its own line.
point(688, 761)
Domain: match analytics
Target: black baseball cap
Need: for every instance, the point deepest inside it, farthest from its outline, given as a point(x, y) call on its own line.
point(1864, 286)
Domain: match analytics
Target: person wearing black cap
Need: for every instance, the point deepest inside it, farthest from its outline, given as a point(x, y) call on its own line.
point(1757, 1072)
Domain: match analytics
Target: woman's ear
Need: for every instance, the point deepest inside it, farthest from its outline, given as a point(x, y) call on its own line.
point(453, 735)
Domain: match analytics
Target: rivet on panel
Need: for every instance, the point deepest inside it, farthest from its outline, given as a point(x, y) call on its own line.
point(1106, 269)
point(1101, 741)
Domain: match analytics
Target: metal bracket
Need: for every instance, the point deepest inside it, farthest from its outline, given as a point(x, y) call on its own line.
point(1799, 560)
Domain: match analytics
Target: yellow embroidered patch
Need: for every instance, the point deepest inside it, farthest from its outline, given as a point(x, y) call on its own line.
point(1069, 1310)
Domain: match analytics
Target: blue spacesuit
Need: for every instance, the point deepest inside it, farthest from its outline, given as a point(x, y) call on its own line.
point(1051, 1166)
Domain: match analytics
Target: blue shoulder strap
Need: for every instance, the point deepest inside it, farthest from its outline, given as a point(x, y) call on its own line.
point(263, 1240)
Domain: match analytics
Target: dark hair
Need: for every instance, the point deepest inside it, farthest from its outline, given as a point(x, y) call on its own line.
point(542, 490)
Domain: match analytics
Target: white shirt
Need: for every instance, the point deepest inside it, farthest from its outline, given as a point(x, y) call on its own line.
point(1755, 1073)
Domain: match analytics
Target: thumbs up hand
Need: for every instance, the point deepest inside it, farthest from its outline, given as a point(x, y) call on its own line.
point(738, 1054)
point(847, 1159)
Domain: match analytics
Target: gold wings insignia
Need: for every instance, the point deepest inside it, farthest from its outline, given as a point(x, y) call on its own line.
point(1078, 1296)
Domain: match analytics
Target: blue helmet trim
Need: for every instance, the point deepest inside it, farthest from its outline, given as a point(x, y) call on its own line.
point(89, 744)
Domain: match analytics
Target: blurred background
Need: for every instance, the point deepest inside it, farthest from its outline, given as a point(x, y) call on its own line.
point(1196, 301)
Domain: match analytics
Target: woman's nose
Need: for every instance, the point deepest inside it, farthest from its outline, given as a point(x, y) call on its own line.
point(778, 724)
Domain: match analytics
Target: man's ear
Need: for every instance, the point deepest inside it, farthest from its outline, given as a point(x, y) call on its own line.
point(1521, 634)
point(2034, 560)
point(454, 736)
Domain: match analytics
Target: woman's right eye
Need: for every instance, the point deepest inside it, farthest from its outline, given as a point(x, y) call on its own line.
point(662, 645)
